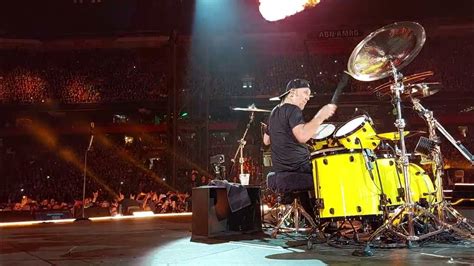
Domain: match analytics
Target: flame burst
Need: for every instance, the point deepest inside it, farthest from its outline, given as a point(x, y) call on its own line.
point(273, 10)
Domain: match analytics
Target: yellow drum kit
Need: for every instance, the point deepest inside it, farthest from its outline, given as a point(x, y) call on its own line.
point(351, 181)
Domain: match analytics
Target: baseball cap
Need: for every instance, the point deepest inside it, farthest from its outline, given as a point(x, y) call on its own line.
point(292, 84)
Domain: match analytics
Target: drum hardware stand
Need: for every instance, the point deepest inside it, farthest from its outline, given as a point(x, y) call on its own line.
point(242, 143)
point(296, 209)
point(442, 207)
point(275, 208)
point(409, 208)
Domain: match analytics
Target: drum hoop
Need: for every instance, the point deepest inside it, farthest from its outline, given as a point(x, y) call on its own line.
point(326, 138)
point(354, 130)
point(330, 135)
point(333, 151)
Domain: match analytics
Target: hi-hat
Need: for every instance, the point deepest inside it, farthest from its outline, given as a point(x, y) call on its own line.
point(251, 108)
point(395, 135)
point(398, 44)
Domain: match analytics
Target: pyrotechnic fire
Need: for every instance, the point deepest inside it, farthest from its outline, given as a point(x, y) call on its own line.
point(273, 10)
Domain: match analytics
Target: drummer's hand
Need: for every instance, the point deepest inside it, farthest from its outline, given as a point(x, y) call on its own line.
point(327, 111)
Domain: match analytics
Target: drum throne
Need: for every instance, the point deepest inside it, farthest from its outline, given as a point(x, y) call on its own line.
point(291, 185)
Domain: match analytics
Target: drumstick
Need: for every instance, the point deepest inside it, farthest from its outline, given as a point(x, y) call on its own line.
point(340, 86)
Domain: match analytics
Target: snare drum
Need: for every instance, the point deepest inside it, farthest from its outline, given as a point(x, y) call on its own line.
point(356, 134)
point(323, 137)
point(392, 180)
point(343, 186)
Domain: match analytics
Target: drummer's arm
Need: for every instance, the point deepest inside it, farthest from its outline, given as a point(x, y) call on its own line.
point(303, 132)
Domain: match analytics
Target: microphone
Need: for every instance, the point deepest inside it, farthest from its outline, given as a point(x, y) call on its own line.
point(367, 160)
point(340, 86)
point(92, 136)
point(366, 156)
point(356, 110)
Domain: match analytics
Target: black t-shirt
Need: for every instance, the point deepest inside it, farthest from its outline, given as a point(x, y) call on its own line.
point(288, 155)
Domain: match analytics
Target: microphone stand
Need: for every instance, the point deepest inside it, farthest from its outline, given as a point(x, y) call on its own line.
point(83, 218)
point(242, 142)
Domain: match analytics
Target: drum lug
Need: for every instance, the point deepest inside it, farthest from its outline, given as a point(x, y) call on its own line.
point(383, 201)
point(401, 194)
point(319, 203)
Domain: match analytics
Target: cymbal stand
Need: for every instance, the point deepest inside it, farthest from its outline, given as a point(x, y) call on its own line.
point(242, 143)
point(442, 207)
point(395, 225)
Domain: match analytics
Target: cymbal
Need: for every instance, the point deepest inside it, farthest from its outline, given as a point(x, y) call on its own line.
point(398, 43)
point(395, 135)
point(408, 80)
point(422, 90)
point(251, 108)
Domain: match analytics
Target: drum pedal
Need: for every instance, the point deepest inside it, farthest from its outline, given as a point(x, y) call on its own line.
point(423, 203)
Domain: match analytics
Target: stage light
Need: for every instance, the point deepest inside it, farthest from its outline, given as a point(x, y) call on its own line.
point(128, 140)
point(105, 218)
point(273, 10)
point(143, 214)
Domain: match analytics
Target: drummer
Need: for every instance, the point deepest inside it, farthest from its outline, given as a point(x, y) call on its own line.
point(288, 133)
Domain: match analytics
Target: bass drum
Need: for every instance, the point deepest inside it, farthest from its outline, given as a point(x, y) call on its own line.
point(323, 138)
point(343, 186)
point(393, 182)
point(357, 134)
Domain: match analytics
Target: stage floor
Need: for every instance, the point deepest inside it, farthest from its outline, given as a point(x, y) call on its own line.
point(167, 241)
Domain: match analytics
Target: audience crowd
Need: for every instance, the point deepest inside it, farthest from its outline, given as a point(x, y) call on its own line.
point(120, 178)
point(85, 76)
point(126, 75)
